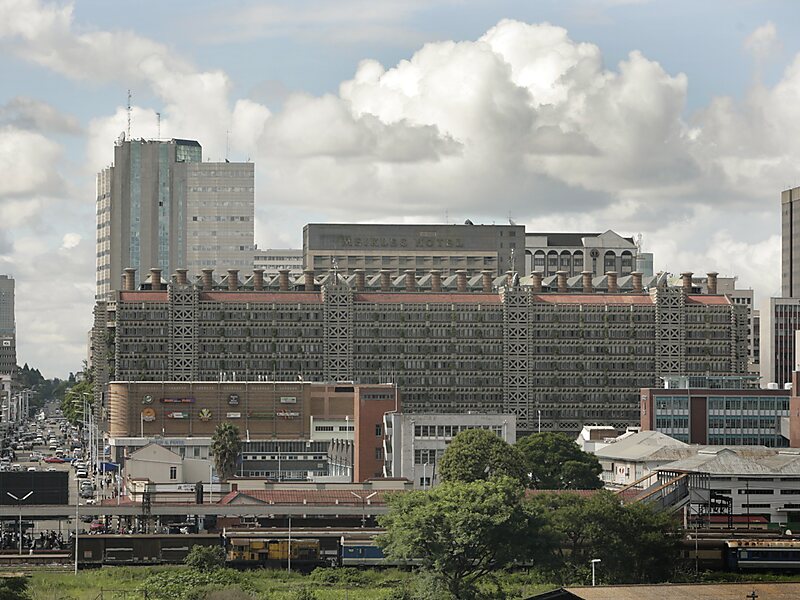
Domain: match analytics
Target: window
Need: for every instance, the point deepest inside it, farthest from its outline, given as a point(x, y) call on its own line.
point(379, 453)
point(378, 430)
point(173, 473)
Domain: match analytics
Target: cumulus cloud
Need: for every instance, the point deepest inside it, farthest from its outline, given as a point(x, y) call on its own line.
point(32, 114)
point(523, 121)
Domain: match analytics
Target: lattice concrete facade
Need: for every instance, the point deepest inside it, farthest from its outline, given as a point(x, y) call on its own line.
point(557, 359)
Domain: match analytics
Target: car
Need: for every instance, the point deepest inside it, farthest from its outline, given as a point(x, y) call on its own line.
point(86, 493)
point(82, 474)
point(51, 469)
point(54, 459)
point(31, 469)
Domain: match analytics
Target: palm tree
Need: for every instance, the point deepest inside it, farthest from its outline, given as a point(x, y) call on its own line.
point(225, 446)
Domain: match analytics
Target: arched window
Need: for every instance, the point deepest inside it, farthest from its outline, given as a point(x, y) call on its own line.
point(552, 262)
point(626, 262)
point(610, 261)
point(577, 262)
point(565, 262)
point(538, 260)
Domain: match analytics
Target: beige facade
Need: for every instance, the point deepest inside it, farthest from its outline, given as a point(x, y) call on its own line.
point(160, 465)
point(219, 216)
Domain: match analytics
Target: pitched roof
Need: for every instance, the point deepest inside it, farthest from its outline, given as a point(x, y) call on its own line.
point(689, 591)
point(645, 445)
point(295, 497)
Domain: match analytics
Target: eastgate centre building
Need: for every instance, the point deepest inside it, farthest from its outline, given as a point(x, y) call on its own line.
point(398, 248)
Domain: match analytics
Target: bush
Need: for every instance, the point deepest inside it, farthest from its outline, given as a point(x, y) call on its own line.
point(14, 588)
point(183, 584)
point(340, 576)
point(206, 558)
point(304, 594)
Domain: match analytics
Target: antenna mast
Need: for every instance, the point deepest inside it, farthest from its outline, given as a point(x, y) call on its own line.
point(158, 120)
point(129, 114)
point(227, 144)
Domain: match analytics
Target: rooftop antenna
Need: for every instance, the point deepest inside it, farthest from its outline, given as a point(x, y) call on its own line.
point(512, 260)
point(227, 144)
point(158, 120)
point(129, 114)
point(446, 217)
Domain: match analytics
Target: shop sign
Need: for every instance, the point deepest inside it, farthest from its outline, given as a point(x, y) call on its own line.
point(204, 415)
point(288, 400)
point(177, 415)
point(148, 399)
point(285, 414)
point(177, 400)
point(233, 415)
point(233, 399)
point(148, 414)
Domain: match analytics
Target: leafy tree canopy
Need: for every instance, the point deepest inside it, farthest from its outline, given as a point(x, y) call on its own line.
point(462, 531)
point(634, 543)
point(225, 446)
point(479, 454)
point(556, 462)
point(205, 558)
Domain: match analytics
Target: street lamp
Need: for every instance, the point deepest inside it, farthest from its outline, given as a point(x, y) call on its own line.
point(19, 505)
point(594, 561)
point(364, 507)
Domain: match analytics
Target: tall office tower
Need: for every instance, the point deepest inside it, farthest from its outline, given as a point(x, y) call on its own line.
point(160, 206)
point(8, 330)
point(790, 243)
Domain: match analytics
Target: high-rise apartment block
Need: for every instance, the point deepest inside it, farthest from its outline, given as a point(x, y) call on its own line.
point(160, 206)
point(790, 243)
point(8, 330)
point(452, 344)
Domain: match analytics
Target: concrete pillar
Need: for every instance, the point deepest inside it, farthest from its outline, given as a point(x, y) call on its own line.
point(486, 281)
point(612, 282)
point(233, 280)
point(536, 282)
point(361, 280)
point(129, 279)
point(586, 280)
point(386, 280)
point(411, 280)
point(180, 276)
point(436, 281)
point(208, 279)
point(258, 280)
point(283, 280)
point(155, 279)
point(636, 278)
point(308, 280)
point(686, 282)
point(461, 281)
point(561, 279)
point(712, 282)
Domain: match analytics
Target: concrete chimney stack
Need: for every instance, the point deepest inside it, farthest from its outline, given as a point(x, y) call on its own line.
point(436, 281)
point(308, 280)
point(386, 280)
point(233, 280)
point(208, 279)
point(536, 282)
point(561, 279)
point(486, 281)
point(180, 276)
point(129, 280)
point(361, 280)
point(258, 280)
point(636, 278)
point(283, 280)
point(686, 281)
point(586, 280)
point(612, 282)
point(461, 281)
point(411, 280)
point(155, 279)
point(712, 283)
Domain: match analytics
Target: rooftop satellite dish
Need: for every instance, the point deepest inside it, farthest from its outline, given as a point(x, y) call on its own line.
point(121, 138)
point(468, 222)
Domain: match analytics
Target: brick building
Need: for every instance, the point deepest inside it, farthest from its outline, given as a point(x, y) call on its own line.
point(573, 350)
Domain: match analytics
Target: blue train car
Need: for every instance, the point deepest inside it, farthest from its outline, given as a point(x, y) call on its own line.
point(763, 555)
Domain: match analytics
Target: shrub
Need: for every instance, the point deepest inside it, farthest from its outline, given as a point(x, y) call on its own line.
point(206, 558)
point(304, 594)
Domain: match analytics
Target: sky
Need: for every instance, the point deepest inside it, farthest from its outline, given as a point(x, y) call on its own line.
point(672, 119)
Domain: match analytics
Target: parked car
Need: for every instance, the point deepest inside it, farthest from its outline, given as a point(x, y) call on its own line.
point(82, 474)
point(31, 469)
point(54, 459)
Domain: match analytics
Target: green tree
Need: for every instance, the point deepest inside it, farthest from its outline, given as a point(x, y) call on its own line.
point(555, 462)
point(461, 531)
point(635, 543)
point(205, 558)
point(479, 454)
point(225, 446)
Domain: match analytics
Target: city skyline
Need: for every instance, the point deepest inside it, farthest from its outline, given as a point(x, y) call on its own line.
point(667, 119)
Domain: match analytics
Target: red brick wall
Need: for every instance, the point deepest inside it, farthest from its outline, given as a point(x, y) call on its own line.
point(371, 403)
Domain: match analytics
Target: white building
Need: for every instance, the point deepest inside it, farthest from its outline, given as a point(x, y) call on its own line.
point(161, 465)
point(273, 260)
point(632, 457)
point(414, 443)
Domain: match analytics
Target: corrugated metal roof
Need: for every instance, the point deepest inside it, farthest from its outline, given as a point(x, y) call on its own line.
point(593, 298)
point(428, 297)
point(299, 497)
point(646, 445)
point(740, 460)
point(703, 591)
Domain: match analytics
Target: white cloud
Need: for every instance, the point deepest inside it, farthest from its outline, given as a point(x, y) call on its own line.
point(70, 240)
point(763, 42)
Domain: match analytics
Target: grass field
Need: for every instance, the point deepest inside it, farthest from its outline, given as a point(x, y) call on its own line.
point(179, 583)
